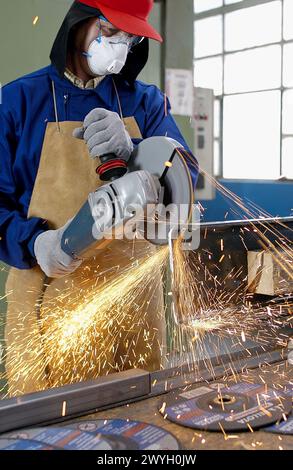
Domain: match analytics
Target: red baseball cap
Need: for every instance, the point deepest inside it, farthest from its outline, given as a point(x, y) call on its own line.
point(130, 16)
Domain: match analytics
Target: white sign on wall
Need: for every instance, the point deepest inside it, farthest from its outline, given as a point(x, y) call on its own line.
point(179, 89)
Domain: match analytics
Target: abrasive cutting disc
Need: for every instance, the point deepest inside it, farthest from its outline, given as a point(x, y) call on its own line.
point(61, 438)
point(166, 159)
point(285, 426)
point(139, 435)
point(23, 444)
point(218, 407)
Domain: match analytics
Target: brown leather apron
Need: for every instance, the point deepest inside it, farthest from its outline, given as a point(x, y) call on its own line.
point(65, 177)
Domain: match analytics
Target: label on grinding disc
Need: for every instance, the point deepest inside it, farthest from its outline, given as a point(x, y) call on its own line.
point(23, 444)
point(61, 438)
point(236, 407)
point(285, 426)
point(141, 436)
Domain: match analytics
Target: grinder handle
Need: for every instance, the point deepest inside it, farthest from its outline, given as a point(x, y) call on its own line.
point(111, 167)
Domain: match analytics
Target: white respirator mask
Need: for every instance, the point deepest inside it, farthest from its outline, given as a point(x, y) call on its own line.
point(107, 55)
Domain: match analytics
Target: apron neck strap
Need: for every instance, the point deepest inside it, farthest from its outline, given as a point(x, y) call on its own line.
point(118, 99)
point(56, 110)
point(55, 107)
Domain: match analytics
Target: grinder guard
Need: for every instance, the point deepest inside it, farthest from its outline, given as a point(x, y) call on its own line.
point(166, 158)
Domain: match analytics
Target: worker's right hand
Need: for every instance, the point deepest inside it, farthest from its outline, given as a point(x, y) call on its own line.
point(105, 133)
point(53, 261)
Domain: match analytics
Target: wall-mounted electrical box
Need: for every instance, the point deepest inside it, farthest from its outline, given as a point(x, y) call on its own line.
point(204, 141)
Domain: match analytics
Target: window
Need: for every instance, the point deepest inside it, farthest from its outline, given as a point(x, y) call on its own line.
point(253, 70)
point(288, 23)
point(244, 52)
point(253, 26)
point(205, 43)
point(252, 147)
point(204, 5)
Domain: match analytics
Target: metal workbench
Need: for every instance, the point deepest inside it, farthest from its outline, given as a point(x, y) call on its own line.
point(136, 394)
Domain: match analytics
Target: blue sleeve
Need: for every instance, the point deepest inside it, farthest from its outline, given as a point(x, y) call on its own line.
point(17, 233)
point(160, 122)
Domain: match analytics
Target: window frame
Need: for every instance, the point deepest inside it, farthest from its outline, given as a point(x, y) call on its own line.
point(222, 11)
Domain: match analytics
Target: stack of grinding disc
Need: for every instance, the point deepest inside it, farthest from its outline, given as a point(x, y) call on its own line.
point(236, 407)
point(92, 435)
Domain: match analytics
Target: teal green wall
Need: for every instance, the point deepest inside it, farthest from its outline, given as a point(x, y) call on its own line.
point(24, 47)
point(152, 71)
point(180, 48)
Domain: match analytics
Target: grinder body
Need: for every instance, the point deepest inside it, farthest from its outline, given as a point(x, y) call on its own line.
point(165, 179)
point(103, 216)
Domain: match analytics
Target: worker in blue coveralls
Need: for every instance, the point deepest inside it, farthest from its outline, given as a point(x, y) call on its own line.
point(54, 123)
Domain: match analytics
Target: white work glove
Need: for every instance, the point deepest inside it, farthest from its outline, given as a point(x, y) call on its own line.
point(104, 133)
point(53, 261)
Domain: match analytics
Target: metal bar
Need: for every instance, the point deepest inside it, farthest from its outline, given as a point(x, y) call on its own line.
point(188, 368)
point(237, 93)
point(282, 42)
point(221, 140)
point(73, 399)
point(282, 92)
point(240, 223)
point(162, 384)
point(168, 380)
point(222, 98)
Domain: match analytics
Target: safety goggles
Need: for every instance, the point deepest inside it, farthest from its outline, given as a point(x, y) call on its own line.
point(107, 29)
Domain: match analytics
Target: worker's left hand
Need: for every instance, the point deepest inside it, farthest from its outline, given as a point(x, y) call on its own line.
point(104, 133)
point(53, 261)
